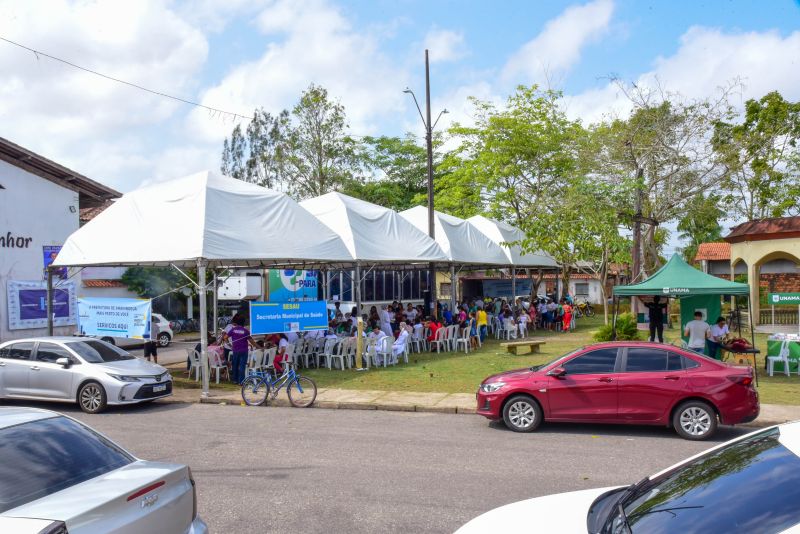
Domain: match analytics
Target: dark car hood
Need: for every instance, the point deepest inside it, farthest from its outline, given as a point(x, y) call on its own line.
point(515, 374)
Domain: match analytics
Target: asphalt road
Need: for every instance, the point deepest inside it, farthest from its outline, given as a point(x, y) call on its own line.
point(269, 469)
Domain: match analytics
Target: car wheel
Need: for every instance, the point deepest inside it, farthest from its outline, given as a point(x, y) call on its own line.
point(92, 397)
point(522, 414)
point(163, 339)
point(695, 420)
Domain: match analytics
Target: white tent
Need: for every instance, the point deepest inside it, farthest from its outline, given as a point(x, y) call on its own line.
point(501, 233)
point(203, 216)
point(461, 241)
point(373, 233)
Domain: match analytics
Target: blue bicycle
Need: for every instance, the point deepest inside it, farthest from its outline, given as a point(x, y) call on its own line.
point(260, 385)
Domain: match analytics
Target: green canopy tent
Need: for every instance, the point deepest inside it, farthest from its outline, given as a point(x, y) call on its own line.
point(695, 289)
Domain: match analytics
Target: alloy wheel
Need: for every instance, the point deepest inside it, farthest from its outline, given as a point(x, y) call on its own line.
point(695, 421)
point(521, 414)
point(91, 397)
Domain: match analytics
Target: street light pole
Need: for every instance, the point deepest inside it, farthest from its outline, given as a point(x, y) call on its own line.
point(429, 141)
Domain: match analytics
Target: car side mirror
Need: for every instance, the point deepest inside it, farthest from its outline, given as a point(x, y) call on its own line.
point(64, 362)
point(558, 372)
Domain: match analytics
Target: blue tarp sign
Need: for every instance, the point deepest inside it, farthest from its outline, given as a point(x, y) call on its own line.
point(275, 317)
point(129, 318)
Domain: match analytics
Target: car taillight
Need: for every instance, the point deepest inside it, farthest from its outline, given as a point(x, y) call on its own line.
point(194, 494)
point(743, 380)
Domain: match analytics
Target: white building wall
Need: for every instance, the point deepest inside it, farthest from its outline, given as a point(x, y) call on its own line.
point(35, 208)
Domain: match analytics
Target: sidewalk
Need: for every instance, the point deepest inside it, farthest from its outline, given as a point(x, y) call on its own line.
point(348, 399)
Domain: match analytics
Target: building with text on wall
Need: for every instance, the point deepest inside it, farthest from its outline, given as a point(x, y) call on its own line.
point(40, 203)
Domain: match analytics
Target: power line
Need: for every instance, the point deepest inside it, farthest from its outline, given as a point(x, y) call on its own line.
point(38, 53)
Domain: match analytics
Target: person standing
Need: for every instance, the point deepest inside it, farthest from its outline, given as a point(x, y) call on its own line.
point(386, 321)
point(657, 310)
point(717, 338)
point(240, 342)
point(151, 346)
point(567, 323)
point(483, 323)
point(698, 332)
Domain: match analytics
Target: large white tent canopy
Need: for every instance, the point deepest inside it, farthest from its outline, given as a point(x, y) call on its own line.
point(461, 241)
point(503, 234)
point(220, 220)
point(373, 233)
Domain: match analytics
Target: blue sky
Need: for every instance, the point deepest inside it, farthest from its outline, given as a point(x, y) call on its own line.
point(238, 54)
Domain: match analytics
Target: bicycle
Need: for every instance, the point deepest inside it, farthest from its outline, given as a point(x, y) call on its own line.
point(260, 385)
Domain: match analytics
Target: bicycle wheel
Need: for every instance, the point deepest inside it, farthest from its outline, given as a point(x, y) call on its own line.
point(589, 311)
point(254, 391)
point(302, 392)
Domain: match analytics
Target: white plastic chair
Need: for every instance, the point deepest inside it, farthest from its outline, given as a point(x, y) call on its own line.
point(194, 363)
point(440, 340)
point(497, 326)
point(268, 363)
point(523, 329)
point(416, 341)
point(255, 359)
point(339, 352)
point(383, 351)
point(219, 367)
point(783, 356)
point(509, 330)
point(463, 339)
point(452, 336)
point(323, 358)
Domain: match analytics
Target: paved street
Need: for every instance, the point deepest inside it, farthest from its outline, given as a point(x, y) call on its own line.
point(282, 469)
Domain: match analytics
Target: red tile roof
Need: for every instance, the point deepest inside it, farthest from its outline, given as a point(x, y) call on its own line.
point(87, 214)
point(775, 228)
point(103, 283)
point(713, 252)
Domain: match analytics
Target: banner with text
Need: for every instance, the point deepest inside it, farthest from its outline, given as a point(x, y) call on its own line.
point(27, 304)
point(784, 298)
point(292, 284)
point(275, 317)
point(128, 318)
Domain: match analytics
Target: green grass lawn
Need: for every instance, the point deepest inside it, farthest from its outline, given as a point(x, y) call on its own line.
point(461, 373)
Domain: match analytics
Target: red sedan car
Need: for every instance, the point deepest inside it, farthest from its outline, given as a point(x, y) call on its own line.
point(624, 382)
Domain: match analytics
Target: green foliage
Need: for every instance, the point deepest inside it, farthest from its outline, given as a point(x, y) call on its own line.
point(761, 153)
point(700, 224)
point(626, 329)
point(150, 282)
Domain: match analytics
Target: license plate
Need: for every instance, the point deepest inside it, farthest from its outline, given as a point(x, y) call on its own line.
point(162, 387)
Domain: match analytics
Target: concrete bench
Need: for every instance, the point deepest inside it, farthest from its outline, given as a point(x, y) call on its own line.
point(513, 346)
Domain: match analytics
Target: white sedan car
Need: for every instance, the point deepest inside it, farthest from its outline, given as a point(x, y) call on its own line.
point(88, 371)
point(749, 484)
point(58, 476)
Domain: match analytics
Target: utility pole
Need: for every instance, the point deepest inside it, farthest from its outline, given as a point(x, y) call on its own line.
point(429, 141)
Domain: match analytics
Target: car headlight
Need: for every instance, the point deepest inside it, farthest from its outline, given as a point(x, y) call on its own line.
point(124, 378)
point(492, 387)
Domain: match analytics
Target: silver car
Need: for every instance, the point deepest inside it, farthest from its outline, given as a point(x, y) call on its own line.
point(62, 477)
point(88, 371)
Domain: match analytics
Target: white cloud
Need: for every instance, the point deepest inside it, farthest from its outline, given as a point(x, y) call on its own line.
point(311, 42)
point(445, 45)
point(558, 47)
point(77, 118)
point(706, 60)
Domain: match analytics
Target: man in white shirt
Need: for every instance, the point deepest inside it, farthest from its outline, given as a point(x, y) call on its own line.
point(698, 332)
point(411, 313)
point(718, 333)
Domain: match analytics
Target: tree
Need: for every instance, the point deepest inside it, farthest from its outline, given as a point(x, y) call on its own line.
point(700, 224)
point(761, 155)
point(150, 282)
point(516, 159)
point(306, 152)
point(662, 155)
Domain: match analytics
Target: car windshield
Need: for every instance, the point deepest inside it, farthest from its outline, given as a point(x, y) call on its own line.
point(96, 351)
point(759, 474)
point(558, 359)
point(49, 455)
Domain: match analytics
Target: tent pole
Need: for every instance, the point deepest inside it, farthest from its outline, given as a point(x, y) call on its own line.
point(752, 336)
point(201, 286)
point(513, 288)
point(359, 321)
point(49, 301)
point(615, 308)
point(214, 303)
point(453, 288)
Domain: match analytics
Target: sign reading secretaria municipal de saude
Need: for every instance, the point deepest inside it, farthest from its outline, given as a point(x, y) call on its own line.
point(784, 298)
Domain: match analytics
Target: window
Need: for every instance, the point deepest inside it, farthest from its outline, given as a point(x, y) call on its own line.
point(42, 457)
point(582, 289)
point(689, 363)
point(17, 351)
point(758, 473)
point(50, 352)
point(595, 362)
point(96, 351)
point(652, 360)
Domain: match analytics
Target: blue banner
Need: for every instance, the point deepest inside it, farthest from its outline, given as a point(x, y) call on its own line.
point(275, 317)
point(291, 284)
point(128, 318)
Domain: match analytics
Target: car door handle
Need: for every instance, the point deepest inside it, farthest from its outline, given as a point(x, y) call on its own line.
point(34, 367)
point(672, 378)
point(605, 379)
